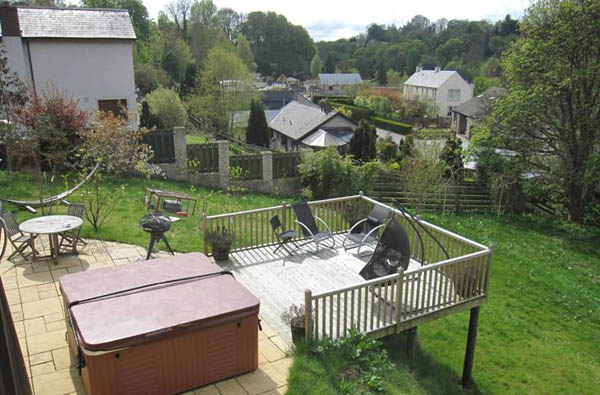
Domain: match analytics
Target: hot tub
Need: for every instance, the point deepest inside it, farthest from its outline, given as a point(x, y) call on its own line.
point(161, 326)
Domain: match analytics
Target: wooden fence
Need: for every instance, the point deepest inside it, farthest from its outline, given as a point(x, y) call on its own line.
point(251, 164)
point(285, 164)
point(162, 144)
point(204, 158)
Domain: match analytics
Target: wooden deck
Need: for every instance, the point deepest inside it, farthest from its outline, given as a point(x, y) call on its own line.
point(280, 280)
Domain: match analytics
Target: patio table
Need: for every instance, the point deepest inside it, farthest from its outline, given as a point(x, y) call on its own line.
point(51, 225)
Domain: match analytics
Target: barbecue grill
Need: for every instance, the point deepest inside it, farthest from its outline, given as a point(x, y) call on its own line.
point(157, 225)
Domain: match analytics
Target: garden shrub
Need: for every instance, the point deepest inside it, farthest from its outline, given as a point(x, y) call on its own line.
point(327, 174)
point(166, 105)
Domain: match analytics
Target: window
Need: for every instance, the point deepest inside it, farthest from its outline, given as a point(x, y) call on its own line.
point(449, 112)
point(116, 106)
point(453, 94)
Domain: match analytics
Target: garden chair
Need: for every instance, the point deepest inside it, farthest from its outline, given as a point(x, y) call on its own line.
point(366, 230)
point(392, 252)
point(283, 236)
point(71, 238)
point(308, 225)
point(20, 241)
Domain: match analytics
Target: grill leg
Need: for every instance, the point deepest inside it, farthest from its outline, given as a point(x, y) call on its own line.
point(168, 246)
point(150, 247)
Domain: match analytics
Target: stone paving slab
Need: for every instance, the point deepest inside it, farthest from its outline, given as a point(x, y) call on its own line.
point(37, 309)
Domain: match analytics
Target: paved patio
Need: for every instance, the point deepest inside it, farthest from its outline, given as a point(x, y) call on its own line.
point(37, 309)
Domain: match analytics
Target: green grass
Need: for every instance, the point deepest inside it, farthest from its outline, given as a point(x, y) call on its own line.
point(122, 225)
point(197, 139)
point(538, 333)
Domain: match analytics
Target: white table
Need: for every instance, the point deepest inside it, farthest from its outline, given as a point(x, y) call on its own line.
point(51, 225)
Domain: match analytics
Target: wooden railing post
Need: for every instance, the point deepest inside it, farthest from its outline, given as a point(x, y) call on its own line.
point(308, 314)
point(400, 292)
point(488, 272)
point(204, 231)
point(283, 212)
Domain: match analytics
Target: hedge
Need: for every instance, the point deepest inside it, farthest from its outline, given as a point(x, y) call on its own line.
point(358, 113)
point(341, 99)
point(391, 125)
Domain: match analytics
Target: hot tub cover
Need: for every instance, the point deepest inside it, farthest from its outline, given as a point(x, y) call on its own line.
point(153, 312)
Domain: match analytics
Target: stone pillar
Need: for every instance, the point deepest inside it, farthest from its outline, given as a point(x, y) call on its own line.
point(223, 147)
point(180, 147)
point(267, 171)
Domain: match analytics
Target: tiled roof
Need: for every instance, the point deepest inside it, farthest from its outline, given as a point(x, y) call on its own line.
point(478, 107)
point(75, 23)
point(295, 120)
point(429, 78)
point(339, 79)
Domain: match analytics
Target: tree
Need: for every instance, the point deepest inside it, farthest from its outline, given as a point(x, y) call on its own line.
point(148, 78)
point(166, 105)
point(316, 66)
point(552, 111)
point(225, 87)
point(245, 52)
point(452, 157)
point(279, 47)
point(180, 10)
point(230, 21)
point(382, 73)
point(363, 142)
point(257, 132)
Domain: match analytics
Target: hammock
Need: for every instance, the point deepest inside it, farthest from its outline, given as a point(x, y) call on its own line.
point(30, 205)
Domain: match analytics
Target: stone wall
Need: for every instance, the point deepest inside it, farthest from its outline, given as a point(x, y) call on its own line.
point(178, 171)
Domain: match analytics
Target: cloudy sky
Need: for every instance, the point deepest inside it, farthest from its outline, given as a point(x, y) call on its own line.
point(333, 19)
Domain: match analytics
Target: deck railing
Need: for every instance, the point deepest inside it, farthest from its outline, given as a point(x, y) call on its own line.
point(453, 276)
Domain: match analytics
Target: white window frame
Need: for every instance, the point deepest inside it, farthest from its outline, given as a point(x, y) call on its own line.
point(453, 94)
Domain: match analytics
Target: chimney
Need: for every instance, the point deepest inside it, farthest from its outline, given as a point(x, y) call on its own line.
point(419, 68)
point(437, 69)
point(9, 18)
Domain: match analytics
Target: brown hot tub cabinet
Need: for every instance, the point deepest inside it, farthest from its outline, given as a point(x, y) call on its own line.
point(183, 323)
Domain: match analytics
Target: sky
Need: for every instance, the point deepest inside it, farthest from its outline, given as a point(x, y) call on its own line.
point(334, 19)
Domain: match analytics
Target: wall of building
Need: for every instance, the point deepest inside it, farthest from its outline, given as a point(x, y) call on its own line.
point(454, 82)
point(89, 70)
point(339, 122)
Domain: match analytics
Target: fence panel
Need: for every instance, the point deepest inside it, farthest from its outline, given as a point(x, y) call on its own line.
point(204, 158)
point(251, 164)
point(285, 164)
point(162, 143)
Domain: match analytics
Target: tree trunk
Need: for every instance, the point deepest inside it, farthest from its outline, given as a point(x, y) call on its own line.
point(575, 200)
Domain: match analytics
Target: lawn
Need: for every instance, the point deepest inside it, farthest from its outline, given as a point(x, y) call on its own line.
point(122, 225)
point(537, 334)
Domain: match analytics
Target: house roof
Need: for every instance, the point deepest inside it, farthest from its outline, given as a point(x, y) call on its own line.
point(296, 120)
point(340, 79)
point(323, 138)
point(37, 22)
point(479, 106)
point(430, 78)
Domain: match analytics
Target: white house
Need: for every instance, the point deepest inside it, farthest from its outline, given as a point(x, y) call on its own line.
point(84, 52)
point(305, 126)
point(444, 89)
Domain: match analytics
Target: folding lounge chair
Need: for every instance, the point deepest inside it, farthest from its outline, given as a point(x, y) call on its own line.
point(18, 239)
point(71, 238)
point(283, 236)
point(366, 230)
point(308, 225)
point(392, 252)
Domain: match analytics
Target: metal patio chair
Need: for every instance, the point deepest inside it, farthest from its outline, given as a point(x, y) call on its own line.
point(283, 236)
point(392, 252)
point(71, 238)
point(308, 225)
point(19, 240)
point(366, 230)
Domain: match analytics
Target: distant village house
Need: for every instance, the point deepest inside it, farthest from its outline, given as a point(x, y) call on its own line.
point(444, 89)
point(476, 109)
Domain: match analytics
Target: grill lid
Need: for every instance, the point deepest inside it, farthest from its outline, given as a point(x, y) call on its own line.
point(155, 222)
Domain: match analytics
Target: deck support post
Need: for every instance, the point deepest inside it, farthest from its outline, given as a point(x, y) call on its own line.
point(204, 231)
point(411, 341)
point(308, 324)
point(470, 351)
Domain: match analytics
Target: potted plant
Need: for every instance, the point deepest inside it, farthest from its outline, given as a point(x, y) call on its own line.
point(294, 317)
point(220, 240)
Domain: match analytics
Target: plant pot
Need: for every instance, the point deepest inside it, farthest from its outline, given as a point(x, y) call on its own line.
point(298, 332)
point(220, 254)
